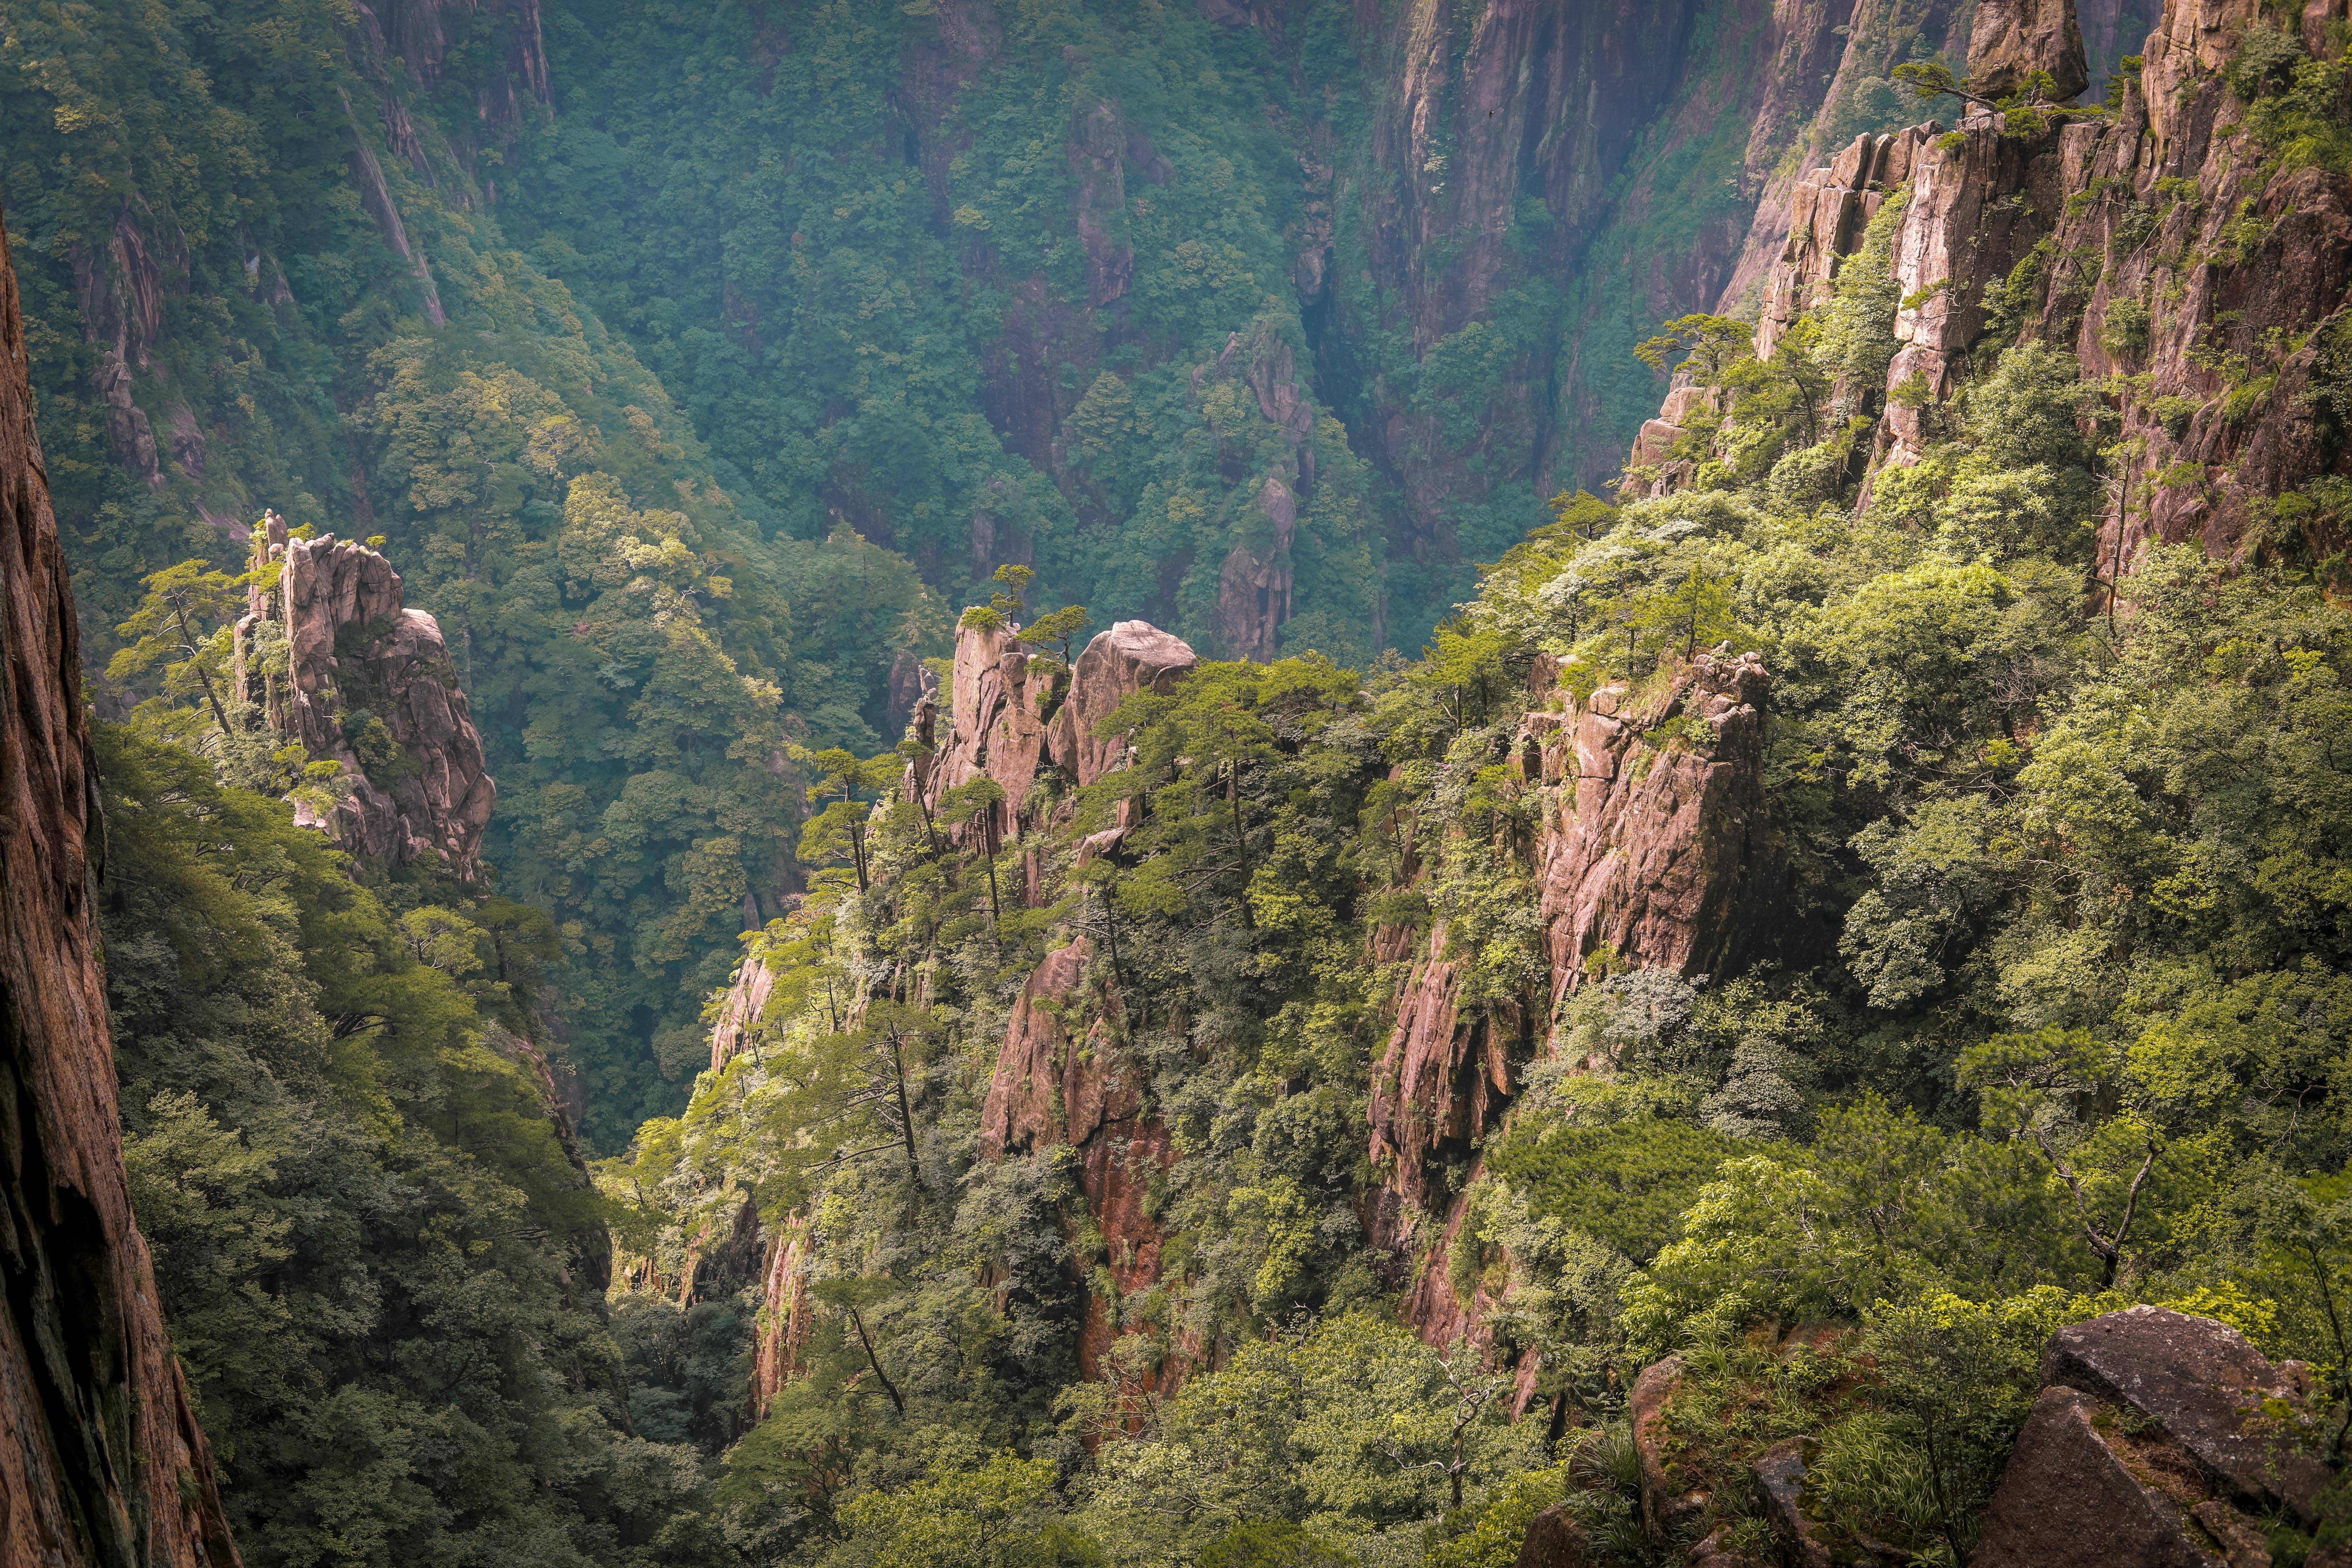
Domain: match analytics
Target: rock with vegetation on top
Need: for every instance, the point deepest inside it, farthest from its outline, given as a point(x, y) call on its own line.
point(366, 682)
point(2168, 1433)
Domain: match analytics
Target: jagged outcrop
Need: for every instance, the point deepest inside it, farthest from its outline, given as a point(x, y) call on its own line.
point(2157, 244)
point(1010, 721)
point(328, 649)
point(738, 1010)
point(1662, 850)
point(1054, 1088)
point(101, 1458)
point(2182, 1479)
point(1656, 844)
point(1059, 1078)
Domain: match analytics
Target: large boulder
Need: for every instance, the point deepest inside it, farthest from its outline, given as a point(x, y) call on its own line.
point(1780, 1472)
point(2203, 1383)
point(2078, 1493)
point(1132, 657)
point(2155, 1443)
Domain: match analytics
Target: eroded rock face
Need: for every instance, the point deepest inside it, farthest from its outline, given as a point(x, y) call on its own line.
point(2064, 1472)
point(102, 1460)
point(1553, 1541)
point(2153, 1424)
point(1011, 723)
point(351, 652)
point(1054, 1088)
point(740, 1009)
point(1669, 1499)
point(2013, 39)
point(1445, 1080)
point(1656, 844)
point(2209, 263)
point(1660, 850)
point(1132, 657)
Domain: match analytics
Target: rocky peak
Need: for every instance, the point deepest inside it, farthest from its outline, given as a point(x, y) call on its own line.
point(338, 664)
point(2013, 39)
point(1010, 723)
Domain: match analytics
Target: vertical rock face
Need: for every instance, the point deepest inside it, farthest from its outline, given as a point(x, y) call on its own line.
point(2159, 245)
point(1662, 850)
point(1827, 213)
point(740, 1009)
point(1656, 844)
point(101, 1460)
point(1057, 1081)
point(1050, 1089)
point(2013, 39)
point(330, 649)
point(1132, 657)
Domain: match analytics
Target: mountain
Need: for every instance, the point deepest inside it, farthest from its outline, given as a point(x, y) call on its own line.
point(778, 889)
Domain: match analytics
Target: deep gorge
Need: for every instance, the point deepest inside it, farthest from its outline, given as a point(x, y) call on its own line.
point(1267, 782)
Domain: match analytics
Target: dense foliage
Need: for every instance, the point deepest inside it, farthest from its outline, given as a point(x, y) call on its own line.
point(2057, 1023)
point(695, 406)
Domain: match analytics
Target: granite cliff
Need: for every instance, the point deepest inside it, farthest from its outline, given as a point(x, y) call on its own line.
point(2156, 241)
point(103, 1462)
point(340, 665)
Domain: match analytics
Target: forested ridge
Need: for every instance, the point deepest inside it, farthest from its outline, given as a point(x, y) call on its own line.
point(894, 784)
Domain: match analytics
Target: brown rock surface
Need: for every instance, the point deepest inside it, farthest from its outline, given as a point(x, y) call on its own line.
point(1131, 657)
point(2202, 1382)
point(1053, 1088)
point(997, 726)
point(738, 1010)
point(2152, 1426)
point(351, 646)
point(1663, 854)
point(2010, 39)
point(101, 1458)
point(1445, 1080)
point(2075, 1496)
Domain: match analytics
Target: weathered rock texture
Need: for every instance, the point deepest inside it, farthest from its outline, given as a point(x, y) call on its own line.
point(101, 1460)
point(331, 646)
point(1655, 844)
point(1012, 723)
point(1060, 1081)
point(739, 1008)
point(2012, 40)
point(2152, 1424)
point(1661, 849)
point(2170, 257)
